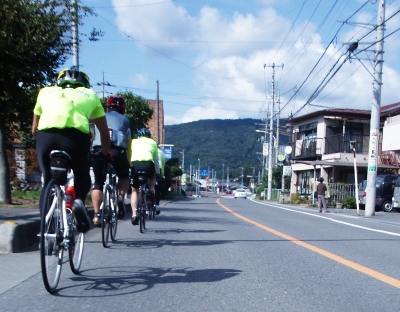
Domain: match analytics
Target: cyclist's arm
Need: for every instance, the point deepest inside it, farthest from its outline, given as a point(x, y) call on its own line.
point(35, 123)
point(101, 124)
point(156, 164)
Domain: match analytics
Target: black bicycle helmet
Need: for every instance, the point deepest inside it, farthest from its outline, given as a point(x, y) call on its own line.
point(144, 132)
point(70, 78)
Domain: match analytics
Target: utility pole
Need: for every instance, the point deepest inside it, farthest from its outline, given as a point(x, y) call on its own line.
point(222, 181)
point(271, 136)
point(227, 178)
point(157, 114)
point(375, 114)
point(104, 83)
point(75, 40)
point(277, 130)
point(183, 159)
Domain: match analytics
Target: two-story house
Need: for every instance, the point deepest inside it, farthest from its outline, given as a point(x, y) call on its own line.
point(321, 146)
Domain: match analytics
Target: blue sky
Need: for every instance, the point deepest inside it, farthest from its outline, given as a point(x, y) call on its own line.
point(209, 56)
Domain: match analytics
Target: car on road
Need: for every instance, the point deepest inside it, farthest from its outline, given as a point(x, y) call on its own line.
point(240, 193)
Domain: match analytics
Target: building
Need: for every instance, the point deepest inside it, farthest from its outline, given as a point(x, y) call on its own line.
point(320, 143)
point(156, 123)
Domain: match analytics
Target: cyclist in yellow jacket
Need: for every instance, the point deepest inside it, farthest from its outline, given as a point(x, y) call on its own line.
point(144, 157)
point(61, 122)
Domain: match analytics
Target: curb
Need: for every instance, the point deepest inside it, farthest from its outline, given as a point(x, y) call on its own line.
point(18, 235)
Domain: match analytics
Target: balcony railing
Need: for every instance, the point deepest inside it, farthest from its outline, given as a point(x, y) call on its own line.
point(306, 148)
point(339, 143)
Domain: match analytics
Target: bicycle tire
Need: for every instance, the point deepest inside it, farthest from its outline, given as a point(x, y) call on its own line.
point(51, 236)
point(114, 213)
point(75, 250)
point(105, 217)
point(142, 211)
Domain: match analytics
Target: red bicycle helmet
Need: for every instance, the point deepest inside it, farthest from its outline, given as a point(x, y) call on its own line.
point(116, 101)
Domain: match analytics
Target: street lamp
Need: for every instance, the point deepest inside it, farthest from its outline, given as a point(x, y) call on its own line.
point(242, 178)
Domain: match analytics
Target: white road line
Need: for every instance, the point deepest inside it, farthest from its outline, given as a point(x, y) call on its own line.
point(331, 219)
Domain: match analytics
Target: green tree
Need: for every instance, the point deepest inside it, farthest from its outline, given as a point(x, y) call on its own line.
point(35, 40)
point(137, 110)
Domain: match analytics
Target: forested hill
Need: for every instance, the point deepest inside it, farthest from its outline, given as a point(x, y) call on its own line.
point(232, 142)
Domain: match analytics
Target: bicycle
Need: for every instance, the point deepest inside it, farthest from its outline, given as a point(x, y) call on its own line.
point(109, 206)
point(143, 200)
point(58, 231)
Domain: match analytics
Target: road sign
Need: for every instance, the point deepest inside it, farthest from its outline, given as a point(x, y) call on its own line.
point(265, 149)
point(167, 152)
point(203, 172)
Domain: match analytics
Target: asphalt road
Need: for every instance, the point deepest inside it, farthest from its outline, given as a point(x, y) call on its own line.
point(224, 254)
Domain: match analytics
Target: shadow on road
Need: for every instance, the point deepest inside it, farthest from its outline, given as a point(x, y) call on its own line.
point(117, 281)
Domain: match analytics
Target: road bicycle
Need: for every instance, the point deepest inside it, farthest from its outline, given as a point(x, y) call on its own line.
point(58, 231)
point(144, 196)
point(109, 207)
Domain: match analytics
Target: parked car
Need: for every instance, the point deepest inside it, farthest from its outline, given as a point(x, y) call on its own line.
point(240, 193)
point(361, 193)
point(385, 185)
point(228, 191)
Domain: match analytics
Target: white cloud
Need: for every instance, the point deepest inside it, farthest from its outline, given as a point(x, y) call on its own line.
point(230, 51)
point(139, 80)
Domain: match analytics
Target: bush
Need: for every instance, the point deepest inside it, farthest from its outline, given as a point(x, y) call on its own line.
point(349, 202)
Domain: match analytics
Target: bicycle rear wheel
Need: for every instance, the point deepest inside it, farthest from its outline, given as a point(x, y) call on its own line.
point(75, 249)
point(105, 216)
point(113, 214)
point(142, 211)
point(51, 236)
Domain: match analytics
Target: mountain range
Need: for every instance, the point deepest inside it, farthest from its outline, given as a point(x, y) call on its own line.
point(219, 143)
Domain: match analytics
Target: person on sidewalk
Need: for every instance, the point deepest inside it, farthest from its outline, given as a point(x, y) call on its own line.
point(61, 122)
point(321, 189)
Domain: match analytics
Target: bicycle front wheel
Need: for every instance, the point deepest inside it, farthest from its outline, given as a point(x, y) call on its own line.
point(105, 216)
point(75, 250)
point(51, 236)
point(114, 215)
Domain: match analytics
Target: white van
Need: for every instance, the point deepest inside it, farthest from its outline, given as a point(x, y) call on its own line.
point(396, 196)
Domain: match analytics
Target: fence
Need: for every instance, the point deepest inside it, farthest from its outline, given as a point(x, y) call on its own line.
point(339, 191)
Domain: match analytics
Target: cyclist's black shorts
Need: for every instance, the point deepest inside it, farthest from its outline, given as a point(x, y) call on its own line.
point(76, 144)
point(147, 166)
point(120, 163)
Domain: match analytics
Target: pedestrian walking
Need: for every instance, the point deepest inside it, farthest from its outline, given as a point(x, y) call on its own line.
point(321, 189)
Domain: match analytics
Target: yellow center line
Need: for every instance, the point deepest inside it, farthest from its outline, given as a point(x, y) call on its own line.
point(379, 276)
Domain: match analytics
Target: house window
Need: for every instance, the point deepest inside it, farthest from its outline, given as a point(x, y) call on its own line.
point(308, 131)
point(305, 182)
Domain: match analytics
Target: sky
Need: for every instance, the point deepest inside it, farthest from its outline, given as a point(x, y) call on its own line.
point(218, 58)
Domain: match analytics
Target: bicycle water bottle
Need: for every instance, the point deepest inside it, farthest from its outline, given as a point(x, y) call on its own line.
point(70, 194)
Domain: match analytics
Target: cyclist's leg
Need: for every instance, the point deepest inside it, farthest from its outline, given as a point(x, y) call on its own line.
point(46, 141)
point(121, 167)
point(77, 145)
point(99, 170)
point(135, 191)
point(157, 195)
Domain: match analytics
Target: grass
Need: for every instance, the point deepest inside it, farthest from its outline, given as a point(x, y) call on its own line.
point(29, 195)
